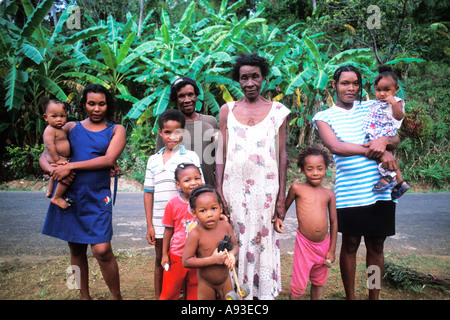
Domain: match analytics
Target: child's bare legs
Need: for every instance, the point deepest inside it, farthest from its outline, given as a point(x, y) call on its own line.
point(292, 297)
point(58, 196)
point(316, 292)
point(51, 186)
point(158, 273)
point(108, 265)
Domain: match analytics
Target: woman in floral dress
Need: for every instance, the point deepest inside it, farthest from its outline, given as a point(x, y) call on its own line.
point(252, 176)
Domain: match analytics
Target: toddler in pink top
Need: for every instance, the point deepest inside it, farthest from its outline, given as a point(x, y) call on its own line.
point(178, 222)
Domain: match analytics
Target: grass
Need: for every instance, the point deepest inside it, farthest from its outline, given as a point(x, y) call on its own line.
point(47, 280)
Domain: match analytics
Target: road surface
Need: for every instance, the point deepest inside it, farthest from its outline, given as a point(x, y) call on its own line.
point(422, 226)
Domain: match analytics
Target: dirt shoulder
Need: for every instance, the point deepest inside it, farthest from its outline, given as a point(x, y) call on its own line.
point(47, 279)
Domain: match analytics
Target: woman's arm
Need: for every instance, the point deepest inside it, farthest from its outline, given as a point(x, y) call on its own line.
point(282, 172)
point(221, 154)
point(336, 146)
point(332, 215)
point(378, 146)
point(375, 149)
point(47, 167)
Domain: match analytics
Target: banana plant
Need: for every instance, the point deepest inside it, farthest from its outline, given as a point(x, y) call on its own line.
point(29, 66)
point(200, 46)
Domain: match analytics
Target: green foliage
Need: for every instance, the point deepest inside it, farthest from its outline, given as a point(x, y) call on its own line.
point(21, 161)
point(138, 49)
point(140, 144)
point(424, 153)
point(30, 62)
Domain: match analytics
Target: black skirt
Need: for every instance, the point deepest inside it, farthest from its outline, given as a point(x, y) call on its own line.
point(375, 220)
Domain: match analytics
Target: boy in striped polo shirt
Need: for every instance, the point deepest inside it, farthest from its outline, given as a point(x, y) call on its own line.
point(159, 184)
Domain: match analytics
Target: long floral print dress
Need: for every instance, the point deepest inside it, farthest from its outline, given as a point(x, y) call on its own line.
point(250, 188)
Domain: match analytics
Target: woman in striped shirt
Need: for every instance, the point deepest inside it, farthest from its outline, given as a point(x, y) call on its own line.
point(361, 212)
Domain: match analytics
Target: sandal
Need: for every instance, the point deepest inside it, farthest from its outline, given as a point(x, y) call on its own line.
point(399, 190)
point(381, 186)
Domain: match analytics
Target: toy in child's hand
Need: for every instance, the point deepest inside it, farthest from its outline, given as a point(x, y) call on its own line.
point(225, 244)
point(243, 290)
point(328, 263)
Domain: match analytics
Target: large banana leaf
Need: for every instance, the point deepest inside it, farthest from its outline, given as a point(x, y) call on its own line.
point(85, 34)
point(163, 101)
point(321, 80)
point(140, 106)
point(125, 48)
point(32, 53)
point(86, 77)
point(59, 26)
point(14, 88)
point(52, 87)
point(35, 19)
point(108, 56)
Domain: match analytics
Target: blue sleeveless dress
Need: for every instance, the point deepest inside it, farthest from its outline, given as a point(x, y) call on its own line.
point(89, 218)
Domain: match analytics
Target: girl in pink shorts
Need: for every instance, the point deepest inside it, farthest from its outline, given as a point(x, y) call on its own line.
point(309, 262)
point(315, 207)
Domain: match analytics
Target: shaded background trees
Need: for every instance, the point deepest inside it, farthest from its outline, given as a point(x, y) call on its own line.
point(136, 49)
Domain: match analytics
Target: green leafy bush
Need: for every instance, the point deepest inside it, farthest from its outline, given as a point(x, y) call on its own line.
point(21, 162)
point(140, 145)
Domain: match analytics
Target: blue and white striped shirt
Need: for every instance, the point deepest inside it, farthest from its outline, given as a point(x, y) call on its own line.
point(355, 175)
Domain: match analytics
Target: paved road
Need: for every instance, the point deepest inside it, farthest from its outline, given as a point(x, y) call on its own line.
point(423, 226)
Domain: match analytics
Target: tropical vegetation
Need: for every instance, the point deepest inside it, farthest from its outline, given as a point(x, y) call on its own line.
point(136, 50)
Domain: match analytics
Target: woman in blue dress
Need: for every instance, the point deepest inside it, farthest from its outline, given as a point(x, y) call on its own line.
point(96, 144)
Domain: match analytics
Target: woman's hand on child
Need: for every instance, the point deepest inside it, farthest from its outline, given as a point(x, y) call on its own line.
point(60, 172)
point(376, 148)
point(389, 161)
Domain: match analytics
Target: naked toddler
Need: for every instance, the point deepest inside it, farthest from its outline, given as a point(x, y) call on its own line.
point(201, 248)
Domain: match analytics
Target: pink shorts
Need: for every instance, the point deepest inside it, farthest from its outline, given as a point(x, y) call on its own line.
point(308, 263)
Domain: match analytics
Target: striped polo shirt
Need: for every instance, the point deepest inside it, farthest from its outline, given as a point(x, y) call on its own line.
point(355, 175)
point(160, 180)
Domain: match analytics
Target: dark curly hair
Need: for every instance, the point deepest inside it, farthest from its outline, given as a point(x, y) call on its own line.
point(183, 166)
point(250, 60)
point(46, 101)
point(171, 114)
point(385, 71)
point(98, 88)
point(316, 150)
point(204, 188)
